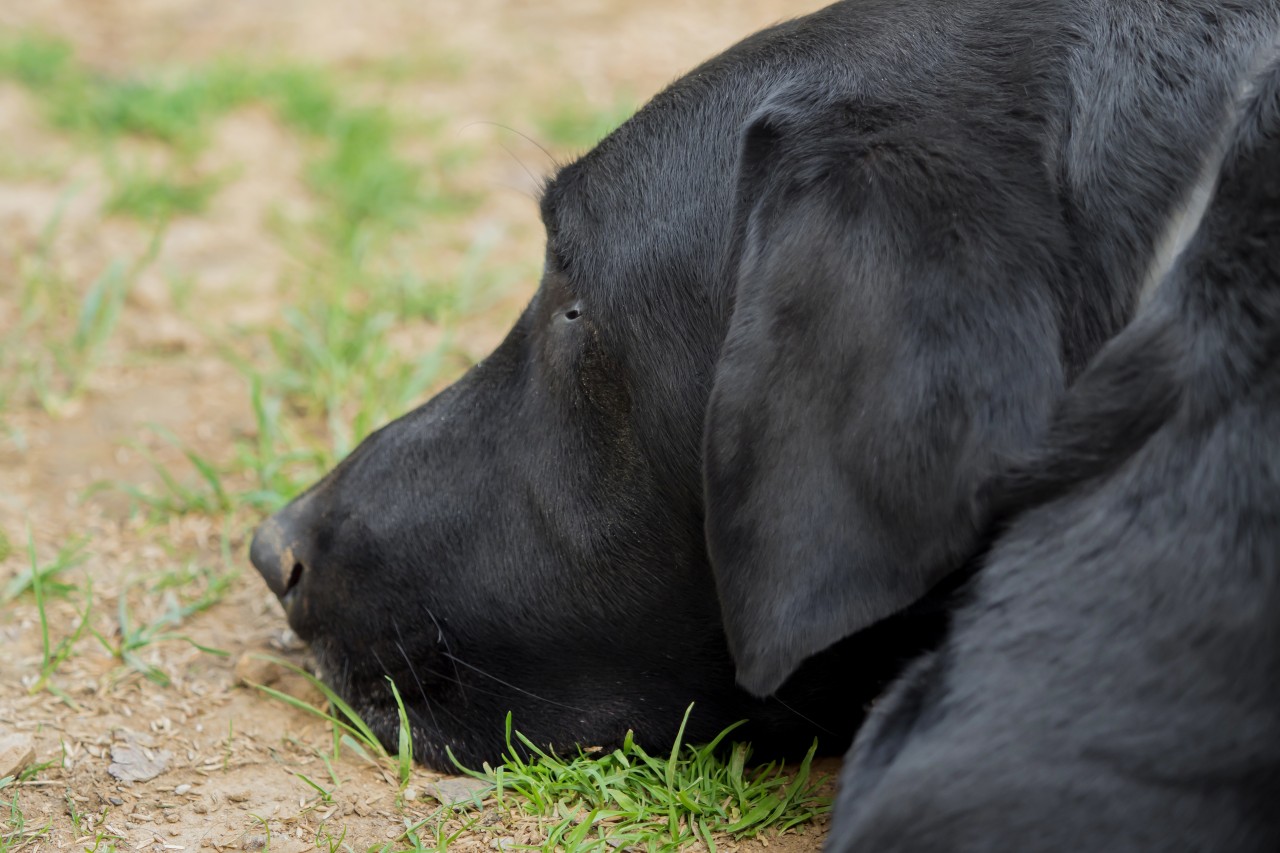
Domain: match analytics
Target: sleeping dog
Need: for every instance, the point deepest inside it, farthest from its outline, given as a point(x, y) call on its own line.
point(794, 316)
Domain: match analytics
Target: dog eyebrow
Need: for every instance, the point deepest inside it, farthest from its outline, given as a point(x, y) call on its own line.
point(554, 190)
point(547, 200)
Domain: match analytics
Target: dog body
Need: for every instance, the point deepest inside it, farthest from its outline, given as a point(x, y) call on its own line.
point(1110, 682)
point(794, 314)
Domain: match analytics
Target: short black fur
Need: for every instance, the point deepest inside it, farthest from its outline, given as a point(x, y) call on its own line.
point(1110, 683)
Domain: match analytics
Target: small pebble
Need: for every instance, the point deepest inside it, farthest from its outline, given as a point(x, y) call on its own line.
point(115, 801)
point(17, 751)
point(200, 808)
point(182, 789)
point(251, 669)
point(255, 842)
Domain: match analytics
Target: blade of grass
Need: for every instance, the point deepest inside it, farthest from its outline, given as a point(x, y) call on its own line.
point(404, 752)
point(354, 725)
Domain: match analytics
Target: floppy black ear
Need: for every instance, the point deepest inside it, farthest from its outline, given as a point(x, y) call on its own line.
point(896, 325)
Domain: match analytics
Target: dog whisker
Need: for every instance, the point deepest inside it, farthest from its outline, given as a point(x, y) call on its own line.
point(808, 720)
point(514, 687)
point(444, 641)
point(418, 681)
point(526, 137)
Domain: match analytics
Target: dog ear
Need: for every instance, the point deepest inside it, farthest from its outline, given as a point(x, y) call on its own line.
point(895, 327)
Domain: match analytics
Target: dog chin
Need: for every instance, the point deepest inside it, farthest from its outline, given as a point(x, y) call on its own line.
point(370, 699)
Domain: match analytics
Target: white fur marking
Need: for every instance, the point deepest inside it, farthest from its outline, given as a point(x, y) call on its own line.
point(1185, 220)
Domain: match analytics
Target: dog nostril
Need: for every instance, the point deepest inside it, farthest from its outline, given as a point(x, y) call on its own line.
point(295, 575)
point(273, 554)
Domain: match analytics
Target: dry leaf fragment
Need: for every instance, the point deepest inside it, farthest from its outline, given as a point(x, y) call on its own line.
point(451, 792)
point(131, 761)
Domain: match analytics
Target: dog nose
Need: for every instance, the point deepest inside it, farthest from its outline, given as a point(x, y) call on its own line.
point(273, 553)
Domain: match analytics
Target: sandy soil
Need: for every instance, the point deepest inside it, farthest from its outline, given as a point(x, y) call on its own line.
point(232, 759)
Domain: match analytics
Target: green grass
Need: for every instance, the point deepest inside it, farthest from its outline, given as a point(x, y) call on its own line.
point(175, 108)
point(47, 577)
point(347, 726)
point(304, 99)
point(574, 125)
point(63, 328)
point(205, 493)
point(52, 656)
point(180, 594)
point(600, 801)
point(35, 60)
point(145, 195)
point(280, 469)
point(130, 637)
point(358, 173)
point(15, 832)
point(361, 179)
point(629, 797)
point(176, 111)
point(404, 742)
point(334, 373)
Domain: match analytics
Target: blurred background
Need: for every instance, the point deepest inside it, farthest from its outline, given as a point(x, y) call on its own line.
point(236, 236)
point(331, 200)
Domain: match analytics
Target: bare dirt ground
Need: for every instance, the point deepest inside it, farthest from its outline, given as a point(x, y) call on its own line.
point(231, 759)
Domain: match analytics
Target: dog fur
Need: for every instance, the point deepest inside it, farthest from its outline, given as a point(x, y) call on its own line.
point(1110, 681)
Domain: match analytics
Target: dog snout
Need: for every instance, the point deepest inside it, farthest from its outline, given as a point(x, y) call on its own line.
point(276, 553)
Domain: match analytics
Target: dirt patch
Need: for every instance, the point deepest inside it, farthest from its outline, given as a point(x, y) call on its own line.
point(201, 760)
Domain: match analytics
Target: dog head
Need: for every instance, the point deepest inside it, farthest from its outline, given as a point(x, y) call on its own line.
point(785, 320)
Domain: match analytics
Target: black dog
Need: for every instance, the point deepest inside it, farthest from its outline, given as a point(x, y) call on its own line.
point(794, 313)
point(1113, 682)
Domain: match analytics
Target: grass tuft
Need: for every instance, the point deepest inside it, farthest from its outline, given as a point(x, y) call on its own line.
point(72, 326)
point(51, 656)
point(362, 178)
point(147, 196)
point(34, 60)
point(131, 638)
point(304, 100)
point(47, 576)
point(599, 801)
